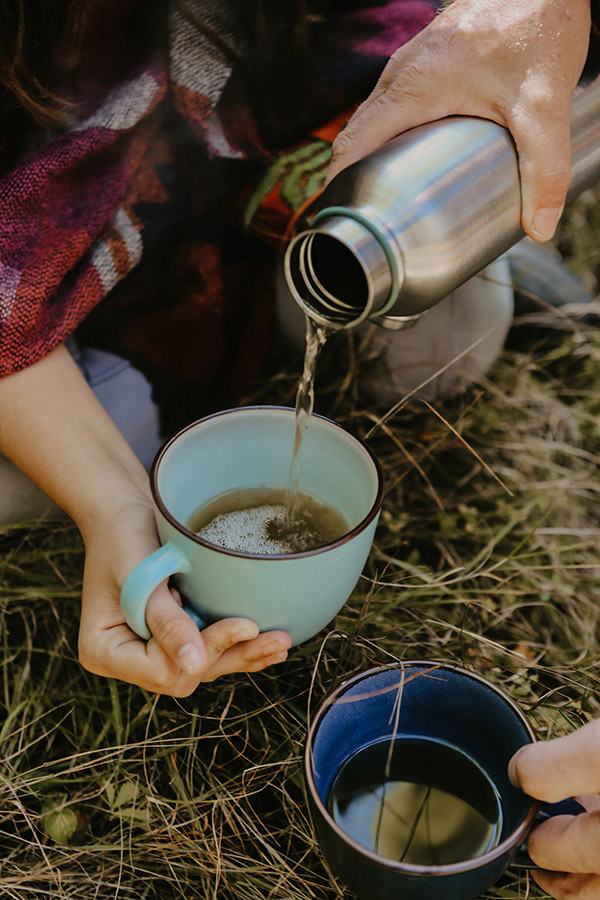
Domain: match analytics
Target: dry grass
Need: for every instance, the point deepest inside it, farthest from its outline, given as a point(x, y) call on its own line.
point(204, 797)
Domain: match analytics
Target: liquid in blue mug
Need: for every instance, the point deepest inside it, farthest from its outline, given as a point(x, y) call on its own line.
point(251, 447)
point(406, 767)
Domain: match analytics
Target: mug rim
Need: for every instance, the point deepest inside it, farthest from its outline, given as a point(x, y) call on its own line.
point(514, 839)
point(348, 536)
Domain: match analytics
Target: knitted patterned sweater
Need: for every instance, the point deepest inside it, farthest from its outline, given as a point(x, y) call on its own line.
point(130, 221)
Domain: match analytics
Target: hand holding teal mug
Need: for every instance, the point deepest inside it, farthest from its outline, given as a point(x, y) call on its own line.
point(246, 448)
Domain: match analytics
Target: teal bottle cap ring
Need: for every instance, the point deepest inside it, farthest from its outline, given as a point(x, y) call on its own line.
point(329, 211)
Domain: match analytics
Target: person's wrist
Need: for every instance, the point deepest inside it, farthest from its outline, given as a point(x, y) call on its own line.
point(117, 497)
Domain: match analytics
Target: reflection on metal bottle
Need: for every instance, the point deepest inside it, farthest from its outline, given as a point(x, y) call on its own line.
point(397, 231)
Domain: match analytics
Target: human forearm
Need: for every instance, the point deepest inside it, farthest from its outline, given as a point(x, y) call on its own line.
point(55, 430)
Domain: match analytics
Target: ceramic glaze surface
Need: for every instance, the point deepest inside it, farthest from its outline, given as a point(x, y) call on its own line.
point(252, 447)
point(436, 702)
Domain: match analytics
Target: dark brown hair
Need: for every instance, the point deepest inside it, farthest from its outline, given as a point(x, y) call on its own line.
point(32, 32)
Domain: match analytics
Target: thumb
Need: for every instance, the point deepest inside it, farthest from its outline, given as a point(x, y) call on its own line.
point(544, 150)
point(174, 631)
point(561, 768)
point(403, 98)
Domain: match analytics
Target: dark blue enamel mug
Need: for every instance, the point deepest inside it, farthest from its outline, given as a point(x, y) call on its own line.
point(432, 704)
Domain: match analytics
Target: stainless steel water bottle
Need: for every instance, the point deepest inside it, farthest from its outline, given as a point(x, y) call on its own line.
point(397, 231)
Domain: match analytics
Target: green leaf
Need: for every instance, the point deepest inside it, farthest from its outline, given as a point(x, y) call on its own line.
point(58, 821)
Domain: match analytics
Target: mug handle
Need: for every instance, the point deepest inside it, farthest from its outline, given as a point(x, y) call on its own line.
point(145, 578)
point(567, 807)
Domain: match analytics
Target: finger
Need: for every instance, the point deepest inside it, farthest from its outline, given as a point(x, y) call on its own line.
point(118, 653)
point(267, 649)
point(399, 106)
point(219, 637)
point(544, 150)
point(590, 802)
point(174, 631)
point(567, 844)
point(561, 768)
point(562, 886)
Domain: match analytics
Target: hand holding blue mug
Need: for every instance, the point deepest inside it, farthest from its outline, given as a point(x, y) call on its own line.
point(566, 848)
point(407, 770)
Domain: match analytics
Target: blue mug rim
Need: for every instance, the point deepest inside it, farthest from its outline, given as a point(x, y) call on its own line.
point(364, 522)
point(512, 841)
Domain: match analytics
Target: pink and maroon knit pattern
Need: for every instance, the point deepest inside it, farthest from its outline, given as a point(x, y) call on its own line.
point(84, 209)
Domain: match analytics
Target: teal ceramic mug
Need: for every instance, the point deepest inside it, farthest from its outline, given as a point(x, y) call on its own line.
point(245, 448)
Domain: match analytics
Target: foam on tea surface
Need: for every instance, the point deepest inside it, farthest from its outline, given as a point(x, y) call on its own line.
point(247, 530)
point(256, 520)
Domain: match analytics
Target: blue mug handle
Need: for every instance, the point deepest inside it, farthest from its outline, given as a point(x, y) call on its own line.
point(567, 807)
point(144, 579)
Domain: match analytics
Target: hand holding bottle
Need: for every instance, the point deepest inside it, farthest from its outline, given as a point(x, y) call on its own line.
point(515, 62)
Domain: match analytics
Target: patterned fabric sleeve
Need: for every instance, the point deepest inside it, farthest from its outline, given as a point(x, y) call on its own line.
point(69, 231)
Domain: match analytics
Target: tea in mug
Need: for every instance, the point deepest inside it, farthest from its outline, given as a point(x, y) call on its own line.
point(256, 520)
point(427, 803)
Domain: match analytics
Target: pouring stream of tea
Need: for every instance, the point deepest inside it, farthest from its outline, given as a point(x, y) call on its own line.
point(316, 336)
point(277, 520)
